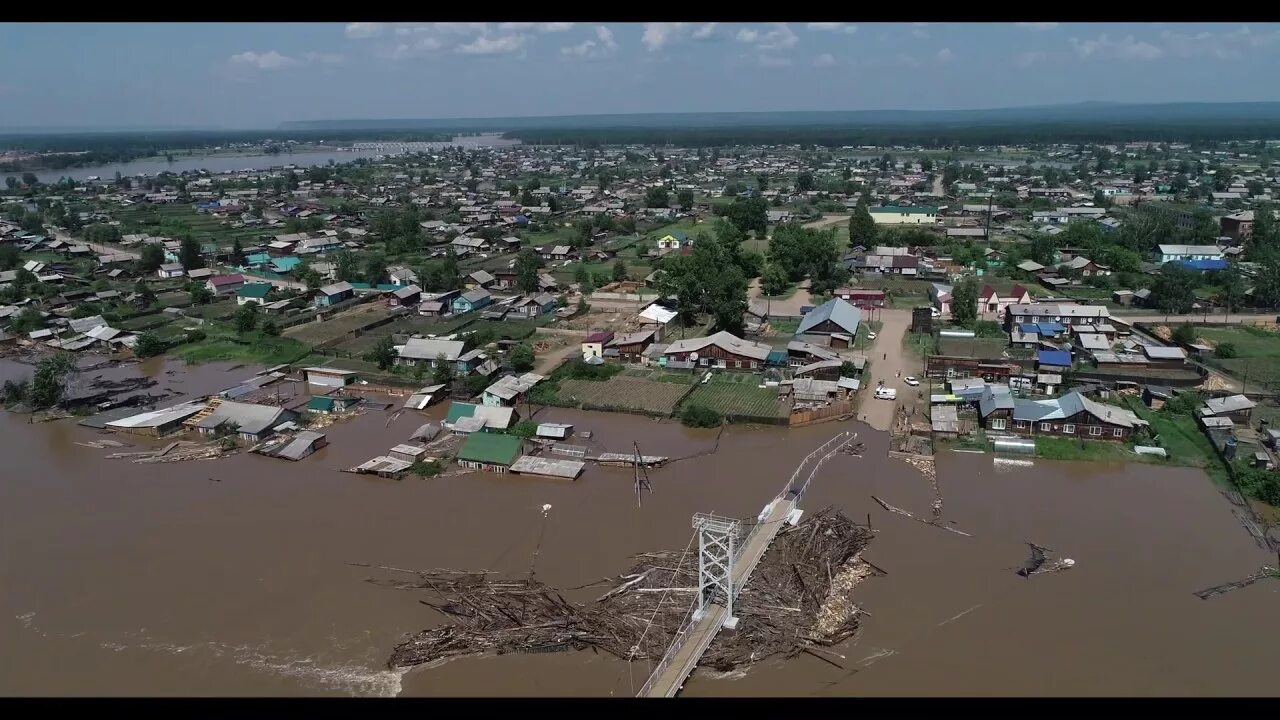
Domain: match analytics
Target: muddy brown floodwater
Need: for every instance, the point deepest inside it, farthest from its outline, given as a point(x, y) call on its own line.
point(231, 576)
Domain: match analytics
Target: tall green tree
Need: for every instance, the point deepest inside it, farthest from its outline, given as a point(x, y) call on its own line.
point(246, 318)
point(49, 383)
point(1173, 289)
point(151, 258)
point(685, 198)
point(189, 253)
point(383, 353)
point(528, 263)
point(862, 227)
point(656, 197)
point(237, 253)
point(347, 267)
point(964, 301)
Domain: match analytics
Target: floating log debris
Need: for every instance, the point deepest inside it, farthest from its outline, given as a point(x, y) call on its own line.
point(798, 600)
point(1040, 562)
point(937, 522)
point(1266, 571)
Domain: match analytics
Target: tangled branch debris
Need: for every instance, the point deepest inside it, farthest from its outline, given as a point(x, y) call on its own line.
point(798, 598)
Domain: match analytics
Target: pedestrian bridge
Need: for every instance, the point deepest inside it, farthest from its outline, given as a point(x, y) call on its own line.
point(726, 560)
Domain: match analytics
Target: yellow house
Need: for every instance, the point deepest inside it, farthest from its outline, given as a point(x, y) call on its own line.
point(897, 215)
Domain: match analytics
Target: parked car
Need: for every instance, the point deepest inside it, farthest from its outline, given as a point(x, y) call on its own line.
point(886, 393)
point(910, 380)
point(871, 335)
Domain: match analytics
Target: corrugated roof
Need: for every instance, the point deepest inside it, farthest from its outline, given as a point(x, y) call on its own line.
point(837, 311)
point(493, 448)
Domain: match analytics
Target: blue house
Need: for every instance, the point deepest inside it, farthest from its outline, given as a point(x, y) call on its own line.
point(471, 300)
point(334, 294)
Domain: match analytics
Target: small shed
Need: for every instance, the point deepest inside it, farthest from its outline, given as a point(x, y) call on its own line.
point(557, 431)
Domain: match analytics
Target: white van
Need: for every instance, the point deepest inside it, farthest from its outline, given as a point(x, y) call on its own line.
point(886, 393)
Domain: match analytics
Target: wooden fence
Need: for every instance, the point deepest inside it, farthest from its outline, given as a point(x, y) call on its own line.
point(823, 414)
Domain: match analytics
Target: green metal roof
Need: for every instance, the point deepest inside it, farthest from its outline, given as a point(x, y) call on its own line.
point(494, 448)
point(254, 290)
point(460, 410)
point(320, 403)
point(900, 210)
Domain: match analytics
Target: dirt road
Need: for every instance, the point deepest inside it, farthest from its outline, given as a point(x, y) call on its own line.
point(1213, 317)
point(551, 359)
point(888, 358)
point(787, 306)
point(826, 220)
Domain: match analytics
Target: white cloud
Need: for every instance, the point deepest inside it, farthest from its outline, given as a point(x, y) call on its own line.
point(846, 28)
point(774, 61)
point(323, 58)
point(270, 60)
point(919, 32)
point(780, 37)
point(1038, 25)
point(657, 34)
point(1126, 48)
point(420, 46)
point(485, 45)
point(824, 60)
point(906, 59)
point(540, 27)
point(361, 30)
point(945, 55)
point(602, 46)
point(1223, 46)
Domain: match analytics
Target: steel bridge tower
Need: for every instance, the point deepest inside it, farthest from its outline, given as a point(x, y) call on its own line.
point(717, 546)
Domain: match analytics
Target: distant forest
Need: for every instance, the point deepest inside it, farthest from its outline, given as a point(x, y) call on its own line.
point(932, 135)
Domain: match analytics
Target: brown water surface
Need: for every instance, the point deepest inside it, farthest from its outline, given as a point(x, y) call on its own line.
point(230, 577)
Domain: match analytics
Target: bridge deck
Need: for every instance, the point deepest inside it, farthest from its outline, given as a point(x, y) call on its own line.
point(668, 681)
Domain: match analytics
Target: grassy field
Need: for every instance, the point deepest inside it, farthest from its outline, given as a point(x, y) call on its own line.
point(315, 333)
point(173, 220)
point(249, 348)
point(920, 343)
point(1182, 439)
point(1257, 353)
point(658, 375)
point(738, 397)
point(985, 348)
point(628, 394)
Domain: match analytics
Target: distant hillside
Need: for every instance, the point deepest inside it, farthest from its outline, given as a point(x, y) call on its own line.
point(1082, 113)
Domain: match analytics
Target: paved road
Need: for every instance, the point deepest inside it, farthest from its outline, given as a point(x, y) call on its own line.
point(890, 362)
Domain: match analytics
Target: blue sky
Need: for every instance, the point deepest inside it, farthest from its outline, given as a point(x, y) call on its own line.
point(240, 75)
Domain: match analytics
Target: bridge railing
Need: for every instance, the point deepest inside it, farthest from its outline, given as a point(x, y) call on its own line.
point(682, 633)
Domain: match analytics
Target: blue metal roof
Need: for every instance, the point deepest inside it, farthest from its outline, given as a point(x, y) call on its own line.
point(1029, 328)
point(1203, 265)
point(1050, 328)
point(1055, 357)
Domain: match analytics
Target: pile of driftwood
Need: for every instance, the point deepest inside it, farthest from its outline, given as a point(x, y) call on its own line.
point(796, 601)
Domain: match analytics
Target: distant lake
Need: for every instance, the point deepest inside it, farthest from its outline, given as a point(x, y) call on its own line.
point(261, 161)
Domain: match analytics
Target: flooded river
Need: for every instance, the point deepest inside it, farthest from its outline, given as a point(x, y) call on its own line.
point(233, 163)
point(231, 576)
